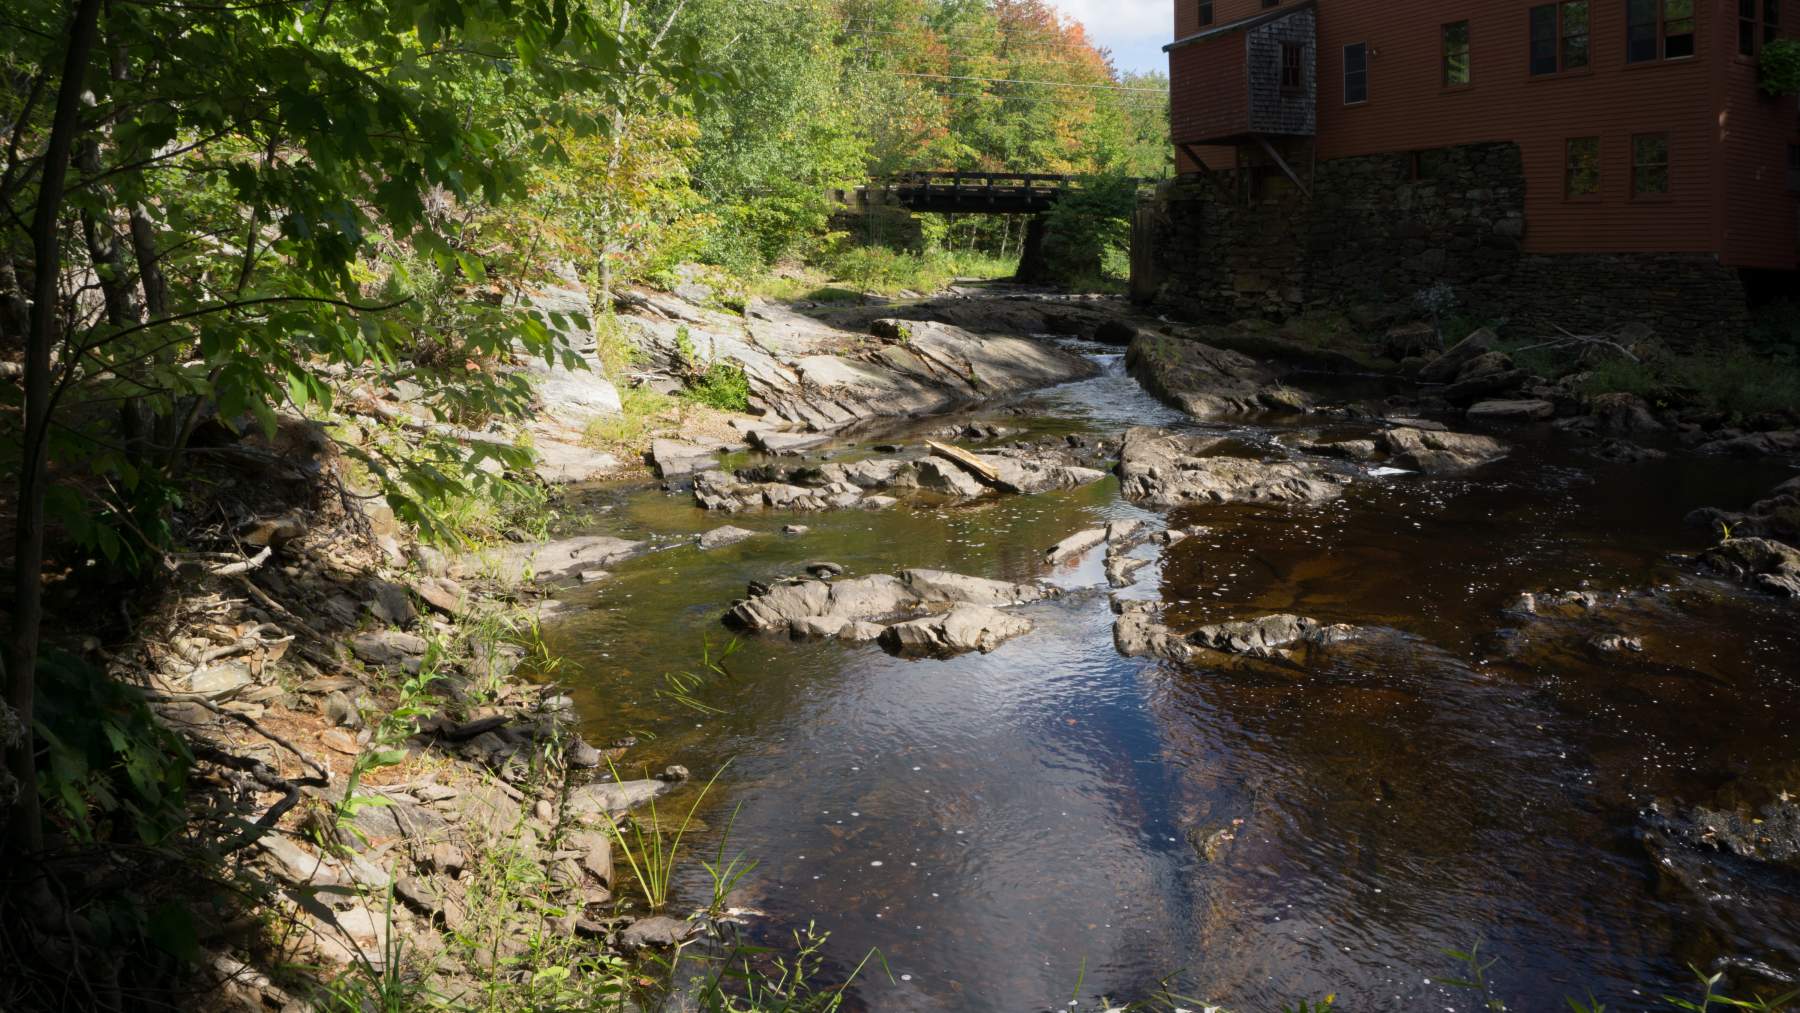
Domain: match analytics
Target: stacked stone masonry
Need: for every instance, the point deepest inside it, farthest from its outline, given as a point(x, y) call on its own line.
point(1380, 228)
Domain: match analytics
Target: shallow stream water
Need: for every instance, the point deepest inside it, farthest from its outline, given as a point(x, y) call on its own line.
point(1002, 827)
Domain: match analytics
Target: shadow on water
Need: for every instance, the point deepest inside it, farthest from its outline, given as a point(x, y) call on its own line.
point(994, 823)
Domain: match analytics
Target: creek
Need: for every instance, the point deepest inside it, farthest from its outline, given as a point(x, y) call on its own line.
point(1003, 826)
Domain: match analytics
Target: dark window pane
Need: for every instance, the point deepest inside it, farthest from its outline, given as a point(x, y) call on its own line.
point(1574, 35)
point(1772, 13)
point(1206, 12)
point(1650, 164)
point(1678, 28)
point(1356, 73)
point(1747, 38)
point(1543, 39)
point(1456, 53)
point(1640, 30)
point(1582, 167)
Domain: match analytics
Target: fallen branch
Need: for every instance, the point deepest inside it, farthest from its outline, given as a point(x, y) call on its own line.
point(290, 791)
point(966, 459)
point(243, 719)
point(1590, 340)
point(442, 429)
point(242, 567)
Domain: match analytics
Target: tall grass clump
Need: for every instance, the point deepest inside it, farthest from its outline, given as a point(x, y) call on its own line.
point(650, 851)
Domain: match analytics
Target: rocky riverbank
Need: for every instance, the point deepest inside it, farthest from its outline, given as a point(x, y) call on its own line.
point(386, 711)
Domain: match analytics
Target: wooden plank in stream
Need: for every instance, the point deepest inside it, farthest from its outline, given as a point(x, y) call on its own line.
point(966, 459)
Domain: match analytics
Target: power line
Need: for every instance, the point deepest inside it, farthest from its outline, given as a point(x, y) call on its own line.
point(1043, 84)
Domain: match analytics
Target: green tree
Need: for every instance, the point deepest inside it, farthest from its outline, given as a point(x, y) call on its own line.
point(211, 210)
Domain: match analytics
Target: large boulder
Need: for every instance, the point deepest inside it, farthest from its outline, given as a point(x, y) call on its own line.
point(1440, 453)
point(1205, 381)
point(1775, 444)
point(1164, 469)
point(1776, 516)
point(813, 608)
point(1757, 562)
point(962, 629)
point(1449, 366)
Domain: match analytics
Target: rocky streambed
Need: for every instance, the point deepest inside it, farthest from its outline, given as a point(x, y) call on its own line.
point(1187, 661)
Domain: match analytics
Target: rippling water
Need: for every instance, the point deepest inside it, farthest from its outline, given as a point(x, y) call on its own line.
point(1001, 826)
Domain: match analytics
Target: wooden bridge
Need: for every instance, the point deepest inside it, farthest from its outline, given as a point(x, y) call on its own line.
point(991, 193)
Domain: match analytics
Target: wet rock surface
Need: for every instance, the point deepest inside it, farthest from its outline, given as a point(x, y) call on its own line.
point(807, 371)
point(1440, 453)
point(1757, 562)
point(962, 629)
point(1204, 381)
point(816, 608)
point(1139, 632)
point(1161, 468)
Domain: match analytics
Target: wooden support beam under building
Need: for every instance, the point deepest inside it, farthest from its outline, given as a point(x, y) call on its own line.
point(1206, 172)
point(1269, 149)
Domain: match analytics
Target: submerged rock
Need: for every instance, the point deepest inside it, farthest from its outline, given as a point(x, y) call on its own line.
point(1204, 381)
point(962, 629)
point(720, 537)
point(1269, 636)
point(1440, 453)
point(1161, 468)
point(1139, 633)
point(1757, 562)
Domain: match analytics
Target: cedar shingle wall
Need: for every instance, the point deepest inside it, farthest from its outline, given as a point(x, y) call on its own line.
point(1273, 111)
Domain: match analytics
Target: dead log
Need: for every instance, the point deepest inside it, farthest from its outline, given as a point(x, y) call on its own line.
point(980, 468)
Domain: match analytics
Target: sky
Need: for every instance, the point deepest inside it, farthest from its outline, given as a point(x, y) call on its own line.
point(1135, 30)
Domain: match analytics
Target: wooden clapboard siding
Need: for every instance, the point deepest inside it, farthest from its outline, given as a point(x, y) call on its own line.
point(1727, 143)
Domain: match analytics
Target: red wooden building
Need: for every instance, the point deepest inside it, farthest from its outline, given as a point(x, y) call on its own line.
point(1639, 123)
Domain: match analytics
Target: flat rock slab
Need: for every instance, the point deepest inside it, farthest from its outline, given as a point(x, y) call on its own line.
point(818, 608)
point(564, 560)
point(1530, 410)
point(718, 538)
point(1074, 545)
point(1164, 469)
point(675, 458)
point(613, 797)
point(962, 629)
point(772, 441)
point(1440, 453)
point(1204, 381)
point(656, 931)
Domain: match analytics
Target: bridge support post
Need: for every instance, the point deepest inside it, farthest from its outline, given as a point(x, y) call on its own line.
point(1033, 269)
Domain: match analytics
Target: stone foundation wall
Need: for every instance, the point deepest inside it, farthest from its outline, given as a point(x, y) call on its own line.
point(1380, 228)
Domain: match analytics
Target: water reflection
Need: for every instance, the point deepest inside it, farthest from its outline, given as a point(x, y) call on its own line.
point(994, 824)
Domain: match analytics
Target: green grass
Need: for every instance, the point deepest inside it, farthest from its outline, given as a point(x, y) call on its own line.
point(652, 853)
point(887, 272)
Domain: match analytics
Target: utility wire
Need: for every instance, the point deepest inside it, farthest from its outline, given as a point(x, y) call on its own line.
point(1044, 84)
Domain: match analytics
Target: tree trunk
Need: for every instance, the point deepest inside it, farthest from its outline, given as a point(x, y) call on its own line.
point(25, 832)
